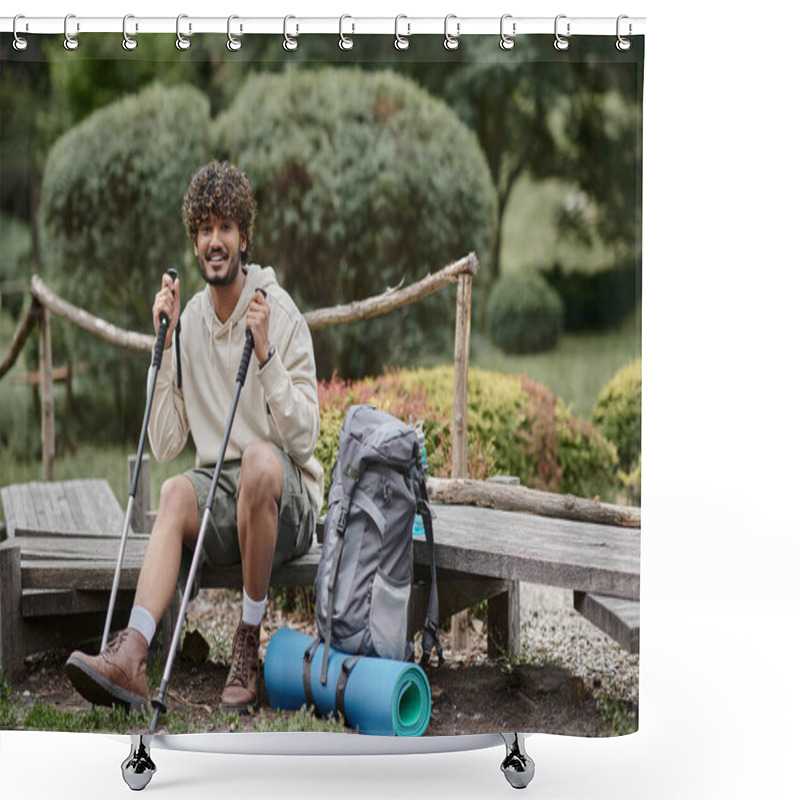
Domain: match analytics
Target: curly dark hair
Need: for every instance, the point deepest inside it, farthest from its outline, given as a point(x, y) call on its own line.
point(223, 190)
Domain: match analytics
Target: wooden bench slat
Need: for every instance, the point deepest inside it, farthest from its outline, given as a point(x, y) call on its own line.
point(92, 548)
point(504, 544)
point(8, 495)
point(617, 617)
point(78, 506)
point(63, 509)
point(65, 602)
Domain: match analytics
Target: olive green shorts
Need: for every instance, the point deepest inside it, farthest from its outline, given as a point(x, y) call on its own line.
point(221, 540)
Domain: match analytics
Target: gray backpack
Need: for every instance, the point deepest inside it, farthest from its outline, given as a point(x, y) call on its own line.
point(363, 581)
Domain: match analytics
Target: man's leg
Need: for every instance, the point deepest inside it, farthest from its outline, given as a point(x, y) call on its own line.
point(118, 675)
point(258, 510)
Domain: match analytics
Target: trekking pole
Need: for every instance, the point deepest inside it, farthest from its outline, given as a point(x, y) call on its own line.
point(158, 352)
point(158, 702)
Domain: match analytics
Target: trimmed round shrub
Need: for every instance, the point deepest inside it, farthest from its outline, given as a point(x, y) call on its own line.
point(618, 414)
point(111, 200)
point(526, 314)
point(514, 427)
point(111, 226)
point(363, 181)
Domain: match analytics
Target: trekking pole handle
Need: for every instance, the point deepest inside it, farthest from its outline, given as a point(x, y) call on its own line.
point(248, 352)
point(163, 325)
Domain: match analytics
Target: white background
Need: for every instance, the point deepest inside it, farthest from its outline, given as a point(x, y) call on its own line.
point(719, 709)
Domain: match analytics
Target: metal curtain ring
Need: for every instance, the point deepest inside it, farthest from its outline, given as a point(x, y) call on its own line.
point(20, 43)
point(70, 42)
point(623, 44)
point(561, 43)
point(451, 42)
point(507, 42)
point(182, 43)
point(128, 42)
point(288, 42)
point(345, 42)
point(234, 44)
point(401, 42)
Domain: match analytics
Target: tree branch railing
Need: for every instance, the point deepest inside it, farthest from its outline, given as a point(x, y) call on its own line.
point(45, 300)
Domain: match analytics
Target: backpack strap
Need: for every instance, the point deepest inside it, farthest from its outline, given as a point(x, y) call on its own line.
point(430, 628)
point(308, 656)
point(341, 524)
point(348, 665)
point(178, 352)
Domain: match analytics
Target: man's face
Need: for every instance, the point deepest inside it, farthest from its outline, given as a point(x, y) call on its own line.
point(219, 245)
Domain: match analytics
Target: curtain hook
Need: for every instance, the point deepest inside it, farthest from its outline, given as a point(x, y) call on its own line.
point(290, 43)
point(346, 42)
point(451, 42)
point(70, 42)
point(20, 43)
point(182, 43)
point(507, 42)
point(234, 44)
point(401, 42)
point(561, 42)
point(128, 42)
point(623, 44)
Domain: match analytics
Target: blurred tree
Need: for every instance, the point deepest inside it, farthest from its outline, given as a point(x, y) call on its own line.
point(111, 220)
point(363, 180)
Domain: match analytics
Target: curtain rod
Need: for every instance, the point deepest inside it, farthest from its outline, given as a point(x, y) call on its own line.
point(403, 26)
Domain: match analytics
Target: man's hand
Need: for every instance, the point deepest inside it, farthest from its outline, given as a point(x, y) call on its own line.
point(168, 301)
point(257, 321)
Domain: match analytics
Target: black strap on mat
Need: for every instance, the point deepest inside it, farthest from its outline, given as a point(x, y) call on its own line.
point(308, 656)
point(347, 667)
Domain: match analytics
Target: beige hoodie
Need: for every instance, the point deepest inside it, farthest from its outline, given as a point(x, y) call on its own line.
point(278, 403)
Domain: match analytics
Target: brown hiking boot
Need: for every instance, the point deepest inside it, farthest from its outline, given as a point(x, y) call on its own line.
point(241, 689)
point(118, 676)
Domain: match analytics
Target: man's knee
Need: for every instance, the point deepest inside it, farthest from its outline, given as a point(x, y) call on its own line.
point(261, 475)
point(178, 504)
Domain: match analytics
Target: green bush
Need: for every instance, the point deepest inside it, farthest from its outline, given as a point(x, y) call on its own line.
point(515, 427)
point(594, 300)
point(618, 413)
point(111, 212)
point(526, 314)
point(15, 261)
point(363, 181)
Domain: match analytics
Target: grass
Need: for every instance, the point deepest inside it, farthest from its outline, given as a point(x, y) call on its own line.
point(577, 368)
point(16, 715)
point(620, 716)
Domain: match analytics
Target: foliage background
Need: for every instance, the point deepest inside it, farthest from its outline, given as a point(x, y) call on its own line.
point(552, 148)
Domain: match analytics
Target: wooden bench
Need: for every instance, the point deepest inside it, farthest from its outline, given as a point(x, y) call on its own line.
point(58, 560)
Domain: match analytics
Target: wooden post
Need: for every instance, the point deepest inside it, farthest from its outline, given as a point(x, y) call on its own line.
point(461, 363)
point(458, 622)
point(46, 396)
point(12, 651)
point(503, 635)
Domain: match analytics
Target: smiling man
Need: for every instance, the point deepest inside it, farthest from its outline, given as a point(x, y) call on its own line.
point(270, 489)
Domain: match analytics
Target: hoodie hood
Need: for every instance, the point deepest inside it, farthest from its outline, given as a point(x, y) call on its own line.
point(256, 277)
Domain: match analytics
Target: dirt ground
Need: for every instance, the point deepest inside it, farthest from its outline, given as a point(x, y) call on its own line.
point(469, 693)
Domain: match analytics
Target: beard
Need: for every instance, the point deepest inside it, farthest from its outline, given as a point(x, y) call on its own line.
point(220, 279)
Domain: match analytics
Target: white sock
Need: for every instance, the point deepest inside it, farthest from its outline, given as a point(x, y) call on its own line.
point(142, 620)
point(252, 610)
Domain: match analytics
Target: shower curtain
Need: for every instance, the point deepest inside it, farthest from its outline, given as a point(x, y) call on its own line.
point(375, 161)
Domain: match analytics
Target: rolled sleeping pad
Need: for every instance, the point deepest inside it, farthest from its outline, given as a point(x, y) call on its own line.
point(382, 697)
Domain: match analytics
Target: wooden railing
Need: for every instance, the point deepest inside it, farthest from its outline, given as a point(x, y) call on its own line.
point(44, 302)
